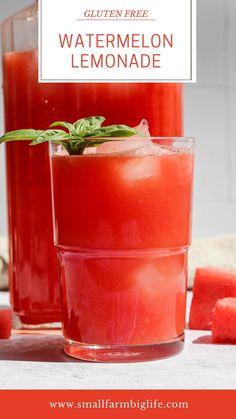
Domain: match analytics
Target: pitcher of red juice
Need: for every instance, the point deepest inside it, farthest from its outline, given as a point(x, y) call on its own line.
point(33, 271)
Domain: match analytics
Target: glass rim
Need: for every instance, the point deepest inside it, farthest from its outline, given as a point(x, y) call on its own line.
point(178, 144)
point(170, 138)
point(190, 141)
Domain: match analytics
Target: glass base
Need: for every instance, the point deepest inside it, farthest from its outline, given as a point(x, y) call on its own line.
point(123, 353)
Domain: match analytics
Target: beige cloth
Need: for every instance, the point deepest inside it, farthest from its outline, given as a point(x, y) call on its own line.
point(217, 252)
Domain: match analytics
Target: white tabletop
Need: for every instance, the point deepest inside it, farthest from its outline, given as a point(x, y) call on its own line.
point(37, 362)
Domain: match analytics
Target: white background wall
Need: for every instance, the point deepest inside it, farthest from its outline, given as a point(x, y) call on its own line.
point(210, 116)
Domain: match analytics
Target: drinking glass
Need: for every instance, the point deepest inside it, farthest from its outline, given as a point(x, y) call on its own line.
point(122, 228)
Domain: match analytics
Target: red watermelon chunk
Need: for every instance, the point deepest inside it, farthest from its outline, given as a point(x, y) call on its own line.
point(209, 286)
point(5, 323)
point(224, 321)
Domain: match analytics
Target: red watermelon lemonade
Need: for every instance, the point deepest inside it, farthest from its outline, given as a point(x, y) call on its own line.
point(122, 222)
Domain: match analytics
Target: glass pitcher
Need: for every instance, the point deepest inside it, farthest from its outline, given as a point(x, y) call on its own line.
point(34, 283)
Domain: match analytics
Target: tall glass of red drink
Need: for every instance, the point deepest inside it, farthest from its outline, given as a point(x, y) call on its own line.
point(122, 223)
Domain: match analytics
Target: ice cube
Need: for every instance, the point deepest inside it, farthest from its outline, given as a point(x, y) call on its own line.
point(118, 146)
point(161, 274)
point(90, 150)
point(140, 143)
point(135, 142)
point(150, 279)
point(139, 168)
point(59, 150)
point(143, 129)
point(153, 147)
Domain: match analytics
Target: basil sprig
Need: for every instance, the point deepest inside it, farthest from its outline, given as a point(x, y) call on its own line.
point(86, 132)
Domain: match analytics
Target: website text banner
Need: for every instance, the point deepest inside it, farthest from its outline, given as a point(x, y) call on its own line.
point(109, 404)
point(128, 41)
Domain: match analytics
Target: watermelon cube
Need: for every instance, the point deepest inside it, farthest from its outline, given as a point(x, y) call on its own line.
point(209, 286)
point(224, 321)
point(5, 323)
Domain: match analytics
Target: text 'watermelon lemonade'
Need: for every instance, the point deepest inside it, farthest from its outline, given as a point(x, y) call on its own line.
point(122, 220)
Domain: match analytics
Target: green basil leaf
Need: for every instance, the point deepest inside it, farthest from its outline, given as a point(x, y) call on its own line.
point(51, 135)
point(112, 131)
point(88, 124)
point(75, 147)
point(79, 136)
point(23, 134)
point(67, 125)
